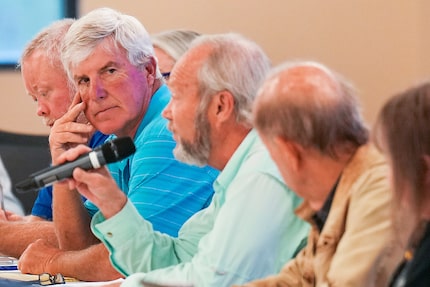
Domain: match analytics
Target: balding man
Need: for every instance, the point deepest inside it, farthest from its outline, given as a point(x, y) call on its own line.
point(309, 118)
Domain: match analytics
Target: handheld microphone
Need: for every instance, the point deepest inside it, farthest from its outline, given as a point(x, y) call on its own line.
point(109, 152)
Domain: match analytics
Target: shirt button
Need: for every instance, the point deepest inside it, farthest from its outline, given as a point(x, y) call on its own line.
point(109, 234)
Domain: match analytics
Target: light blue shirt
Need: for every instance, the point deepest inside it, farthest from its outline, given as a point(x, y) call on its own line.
point(248, 231)
point(165, 191)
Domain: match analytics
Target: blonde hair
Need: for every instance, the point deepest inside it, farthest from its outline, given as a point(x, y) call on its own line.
point(174, 42)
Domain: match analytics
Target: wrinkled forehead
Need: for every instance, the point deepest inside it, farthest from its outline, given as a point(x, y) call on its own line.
point(107, 46)
point(188, 66)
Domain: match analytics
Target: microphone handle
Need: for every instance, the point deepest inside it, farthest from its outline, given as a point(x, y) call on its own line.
point(48, 176)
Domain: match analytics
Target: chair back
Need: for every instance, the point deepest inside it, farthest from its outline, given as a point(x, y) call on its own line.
point(23, 154)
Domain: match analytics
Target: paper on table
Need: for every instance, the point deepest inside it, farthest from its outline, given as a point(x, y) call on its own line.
point(7, 260)
point(94, 284)
point(8, 263)
point(17, 275)
point(146, 283)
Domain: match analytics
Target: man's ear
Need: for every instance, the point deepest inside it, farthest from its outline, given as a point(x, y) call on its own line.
point(291, 151)
point(222, 107)
point(151, 70)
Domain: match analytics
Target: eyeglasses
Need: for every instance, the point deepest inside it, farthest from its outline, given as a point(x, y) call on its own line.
point(165, 75)
point(46, 279)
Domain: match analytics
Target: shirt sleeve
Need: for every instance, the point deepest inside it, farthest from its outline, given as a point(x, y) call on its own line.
point(42, 206)
point(130, 238)
point(254, 233)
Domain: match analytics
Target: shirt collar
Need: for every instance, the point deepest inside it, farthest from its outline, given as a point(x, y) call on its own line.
point(321, 215)
point(235, 162)
point(159, 101)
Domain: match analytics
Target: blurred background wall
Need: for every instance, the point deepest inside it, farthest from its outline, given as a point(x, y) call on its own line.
point(382, 46)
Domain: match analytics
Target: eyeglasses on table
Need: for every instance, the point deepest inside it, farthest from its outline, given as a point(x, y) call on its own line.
point(46, 279)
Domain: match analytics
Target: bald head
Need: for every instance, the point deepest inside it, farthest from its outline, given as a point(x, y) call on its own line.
point(311, 105)
point(302, 84)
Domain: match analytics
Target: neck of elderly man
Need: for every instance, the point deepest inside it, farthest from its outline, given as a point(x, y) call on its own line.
point(316, 173)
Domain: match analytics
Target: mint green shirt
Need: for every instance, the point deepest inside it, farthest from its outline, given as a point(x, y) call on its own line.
point(248, 231)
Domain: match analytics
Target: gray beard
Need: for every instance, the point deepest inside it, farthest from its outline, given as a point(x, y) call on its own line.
point(197, 152)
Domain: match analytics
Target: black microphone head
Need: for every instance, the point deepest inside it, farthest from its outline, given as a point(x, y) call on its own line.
point(118, 149)
point(27, 184)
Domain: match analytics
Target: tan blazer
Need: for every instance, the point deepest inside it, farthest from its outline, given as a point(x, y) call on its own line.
point(356, 246)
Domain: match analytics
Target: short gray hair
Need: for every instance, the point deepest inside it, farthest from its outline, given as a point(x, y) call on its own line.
point(235, 64)
point(105, 23)
point(49, 41)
